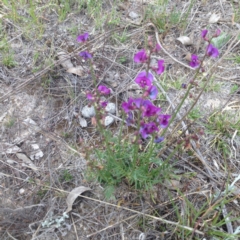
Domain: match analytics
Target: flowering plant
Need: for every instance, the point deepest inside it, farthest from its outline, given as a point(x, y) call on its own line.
point(124, 158)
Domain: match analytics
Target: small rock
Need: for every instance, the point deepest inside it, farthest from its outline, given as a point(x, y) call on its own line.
point(111, 107)
point(21, 191)
point(108, 120)
point(88, 112)
point(34, 146)
point(36, 155)
point(133, 15)
point(82, 122)
point(10, 161)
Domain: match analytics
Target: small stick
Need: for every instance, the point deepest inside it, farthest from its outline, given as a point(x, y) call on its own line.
point(74, 226)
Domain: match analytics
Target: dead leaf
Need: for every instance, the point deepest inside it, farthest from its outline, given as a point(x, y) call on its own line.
point(94, 121)
point(72, 196)
point(82, 122)
point(188, 56)
point(214, 18)
point(65, 60)
point(185, 40)
point(76, 70)
point(27, 162)
point(173, 184)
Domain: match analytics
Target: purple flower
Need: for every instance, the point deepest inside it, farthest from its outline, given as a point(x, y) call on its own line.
point(85, 54)
point(194, 61)
point(158, 139)
point(138, 102)
point(149, 109)
point(152, 92)
point(143, 79)
point(82, 38)
point(140, 57)
point(163, 120)
point(104, 90)
point(184, 85)
point(103, 104)
point(147, 128)
point(158, 47)
point(204, 34)
point(128, 106)
point(212, 51)
point(132, 104)
point(217, 33)
point(90, 96)
point(161, 67)
point(129, 119)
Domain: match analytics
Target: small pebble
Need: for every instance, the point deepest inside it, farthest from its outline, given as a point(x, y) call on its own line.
point(111, 107)
point(108, 120)
point(88, 112)
point(21, 191)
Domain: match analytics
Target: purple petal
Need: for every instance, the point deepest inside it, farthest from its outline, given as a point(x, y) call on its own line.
point(217, 33)
point(85, 55)
point(212, 51)
point(150, 110)
point(140, 57)
point(143, 79)
point(152, 92)
point(204, 33)
point(104, 90)
point(164, 119)
point(138, 102)
point(83, 37)
point(148, 128)
point(194, 61)
point(90, 96)
point(158, 139)
point(129, 119)
point(161, 67)
point(158, 47)
point(104, 104)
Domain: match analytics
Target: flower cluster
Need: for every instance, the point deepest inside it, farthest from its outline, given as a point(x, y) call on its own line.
point(95, 97)
point(83, 39)
point(211, 51)
point(151, 117)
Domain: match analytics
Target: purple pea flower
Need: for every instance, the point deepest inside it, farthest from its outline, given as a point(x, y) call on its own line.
point(90, 96)
point(83, 38)
point(217, 33)
point(158, 47)
point(147, 128)
point(103, 104)
point(129, 119)
point(138, 102)
point(85, 55)
point(204, 34)
point(194, 61)
point(149, 109)
point(140, 57)
point(104, 90)
point(143, 79)
point(158, 139)
point(184, 85)
point(132, 104)
point(161, 67)
point(152, 92)
point(212, 51)
point(163, 120)
point(128, 106)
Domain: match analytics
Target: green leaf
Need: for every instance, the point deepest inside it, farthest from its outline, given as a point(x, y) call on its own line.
point(221, 40)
